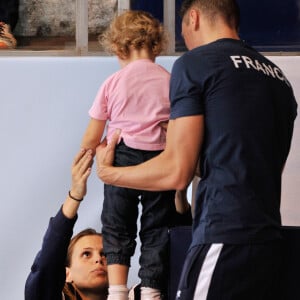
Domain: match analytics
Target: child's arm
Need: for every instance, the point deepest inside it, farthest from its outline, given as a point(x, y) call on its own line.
point(93, 134)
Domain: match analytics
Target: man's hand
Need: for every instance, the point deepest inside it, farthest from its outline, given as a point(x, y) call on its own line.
point(105, 154)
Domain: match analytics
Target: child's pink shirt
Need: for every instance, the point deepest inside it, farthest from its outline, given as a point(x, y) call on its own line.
point(135, 100)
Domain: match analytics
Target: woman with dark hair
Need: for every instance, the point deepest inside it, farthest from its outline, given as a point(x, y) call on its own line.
point(68, 268)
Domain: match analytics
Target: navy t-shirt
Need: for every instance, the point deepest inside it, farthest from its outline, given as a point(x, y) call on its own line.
point(249, 110)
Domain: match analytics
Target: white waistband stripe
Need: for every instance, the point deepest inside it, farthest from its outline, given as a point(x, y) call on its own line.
point(206, 271)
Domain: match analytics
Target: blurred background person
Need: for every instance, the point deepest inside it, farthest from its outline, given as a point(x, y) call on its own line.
point(9, 14)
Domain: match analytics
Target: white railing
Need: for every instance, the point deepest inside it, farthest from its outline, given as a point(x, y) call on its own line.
point(82, 30)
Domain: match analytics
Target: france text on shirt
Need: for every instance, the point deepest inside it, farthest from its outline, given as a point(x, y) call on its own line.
point(269, 70)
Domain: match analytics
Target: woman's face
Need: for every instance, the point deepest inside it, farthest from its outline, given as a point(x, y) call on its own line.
point(88, 269)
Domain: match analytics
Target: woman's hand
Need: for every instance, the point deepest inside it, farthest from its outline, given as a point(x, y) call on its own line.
point(81, 169)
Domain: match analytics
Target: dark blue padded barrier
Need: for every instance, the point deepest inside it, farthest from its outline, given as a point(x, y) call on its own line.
point(180, 239)
point(266, 25)
point(290, 279)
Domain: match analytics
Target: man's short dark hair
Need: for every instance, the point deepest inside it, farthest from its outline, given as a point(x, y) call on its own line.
point(227, 9)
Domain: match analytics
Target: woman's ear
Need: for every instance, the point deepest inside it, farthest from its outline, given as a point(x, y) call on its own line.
point(68, 275)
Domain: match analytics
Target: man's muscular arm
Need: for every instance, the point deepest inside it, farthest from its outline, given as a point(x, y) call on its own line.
point(174, 168)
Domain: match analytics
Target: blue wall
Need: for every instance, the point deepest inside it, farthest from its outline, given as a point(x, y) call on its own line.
point(43, 115)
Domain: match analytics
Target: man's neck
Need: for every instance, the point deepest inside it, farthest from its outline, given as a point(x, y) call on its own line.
point(207, 32)
point(217, 32)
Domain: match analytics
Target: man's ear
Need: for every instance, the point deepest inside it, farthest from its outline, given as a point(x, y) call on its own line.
point(194, 18)
point(68, 275)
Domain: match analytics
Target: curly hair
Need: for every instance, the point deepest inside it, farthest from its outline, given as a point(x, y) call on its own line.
point(134, 29)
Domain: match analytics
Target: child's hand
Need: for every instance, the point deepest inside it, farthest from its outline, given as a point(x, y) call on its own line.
point(164, 125)
point(181, 203)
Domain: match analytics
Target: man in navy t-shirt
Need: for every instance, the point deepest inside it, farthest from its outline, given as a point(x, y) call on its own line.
point(235, 110)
